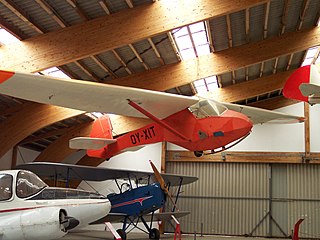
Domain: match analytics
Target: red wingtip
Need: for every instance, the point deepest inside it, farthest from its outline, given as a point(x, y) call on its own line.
point(5, 75)
point(291, 87)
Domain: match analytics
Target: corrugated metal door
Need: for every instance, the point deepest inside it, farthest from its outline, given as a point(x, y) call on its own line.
point(227, 199)
point(250, 199)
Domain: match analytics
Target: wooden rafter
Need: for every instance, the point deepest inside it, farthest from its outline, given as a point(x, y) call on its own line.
point(67, 45)
point(21, 14)
point(266, 19)
point(52, 12)
point(138, 56)
point(155, 50)
point(284, 16)
point(303, 13)
point(229, 31)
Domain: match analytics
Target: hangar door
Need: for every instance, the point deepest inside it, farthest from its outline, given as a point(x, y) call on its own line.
point(249, 199)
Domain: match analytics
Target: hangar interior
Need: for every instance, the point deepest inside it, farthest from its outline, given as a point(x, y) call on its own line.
point(232, 51)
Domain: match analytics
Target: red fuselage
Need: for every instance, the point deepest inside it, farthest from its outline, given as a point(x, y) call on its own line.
point(200, 134)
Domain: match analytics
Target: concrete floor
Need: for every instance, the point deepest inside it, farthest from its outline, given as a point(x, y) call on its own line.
point(99, 235)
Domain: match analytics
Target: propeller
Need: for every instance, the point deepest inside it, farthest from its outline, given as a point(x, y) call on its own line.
point(162, 183)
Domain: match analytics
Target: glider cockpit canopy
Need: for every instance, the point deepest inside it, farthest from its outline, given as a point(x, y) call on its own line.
point(206, 108)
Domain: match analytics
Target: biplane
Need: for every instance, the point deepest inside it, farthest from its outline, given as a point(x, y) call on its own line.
point(137, 199)
point(31, 210)
point(304, 85)
point(194, 123)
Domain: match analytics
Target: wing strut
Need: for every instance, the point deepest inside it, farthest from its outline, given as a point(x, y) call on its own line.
point(157, 120)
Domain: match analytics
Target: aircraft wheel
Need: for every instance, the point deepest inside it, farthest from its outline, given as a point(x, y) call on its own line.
point(122, 234)
point(198, 153)
point(154, 234)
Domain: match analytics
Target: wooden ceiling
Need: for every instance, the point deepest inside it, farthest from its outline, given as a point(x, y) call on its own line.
point(255, 45)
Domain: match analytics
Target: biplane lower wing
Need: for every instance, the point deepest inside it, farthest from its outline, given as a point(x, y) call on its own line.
point(163, 216)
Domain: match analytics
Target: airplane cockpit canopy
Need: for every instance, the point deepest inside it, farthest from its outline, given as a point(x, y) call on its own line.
point(206, 108)
point(6, 181)
point(28, 184)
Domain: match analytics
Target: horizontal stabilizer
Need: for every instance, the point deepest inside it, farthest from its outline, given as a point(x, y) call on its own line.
point(308, 89)
point(89, 143)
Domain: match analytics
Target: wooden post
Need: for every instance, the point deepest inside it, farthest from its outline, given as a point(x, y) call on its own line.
point(163, 170)
point(307, 129)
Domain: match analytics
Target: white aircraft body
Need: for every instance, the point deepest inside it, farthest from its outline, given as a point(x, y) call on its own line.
point(29, 209)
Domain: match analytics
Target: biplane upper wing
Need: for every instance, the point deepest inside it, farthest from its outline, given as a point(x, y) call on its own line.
point(91, 96)
point(77, 172)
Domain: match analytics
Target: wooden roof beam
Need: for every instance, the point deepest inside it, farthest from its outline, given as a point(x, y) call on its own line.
point(59, 149)
point(89, 38)
point(250, 89)
point(185, 72)
point(13, 130)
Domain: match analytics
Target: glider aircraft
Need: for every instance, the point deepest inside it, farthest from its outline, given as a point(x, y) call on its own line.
point(194, 123)
point(131, 206)
point(304, 84)
point(31, 210)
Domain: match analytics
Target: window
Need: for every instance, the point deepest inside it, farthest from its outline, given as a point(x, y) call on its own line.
point(5, 187)
point(28, 184)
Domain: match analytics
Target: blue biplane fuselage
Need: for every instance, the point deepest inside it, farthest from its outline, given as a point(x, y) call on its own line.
point(138, 201)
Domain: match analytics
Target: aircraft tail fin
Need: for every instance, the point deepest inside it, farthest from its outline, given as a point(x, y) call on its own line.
point(100, 137)
point(101, 129)
point(304, 84)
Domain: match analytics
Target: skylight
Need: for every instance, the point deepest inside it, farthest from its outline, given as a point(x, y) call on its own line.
point(193, 41)
point(6, 37)
point(54, 72)
point(312, 56)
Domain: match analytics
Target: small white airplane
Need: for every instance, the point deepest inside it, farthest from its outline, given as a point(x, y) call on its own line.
point(31, 210)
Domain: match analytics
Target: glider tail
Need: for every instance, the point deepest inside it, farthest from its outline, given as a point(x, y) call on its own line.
point(100, 137)
point(101, 129)
point(304, 85)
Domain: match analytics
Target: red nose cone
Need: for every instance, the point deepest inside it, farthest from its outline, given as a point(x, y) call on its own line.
point(237, 127)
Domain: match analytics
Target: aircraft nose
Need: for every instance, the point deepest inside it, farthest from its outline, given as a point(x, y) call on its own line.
point(241, 124)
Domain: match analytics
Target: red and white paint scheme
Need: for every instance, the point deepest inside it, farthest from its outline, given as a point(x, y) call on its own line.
point(195, 123)
point(29, 209)
point(304, 84)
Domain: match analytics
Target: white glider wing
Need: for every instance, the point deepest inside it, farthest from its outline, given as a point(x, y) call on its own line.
point(90, 96)
point(259, 115)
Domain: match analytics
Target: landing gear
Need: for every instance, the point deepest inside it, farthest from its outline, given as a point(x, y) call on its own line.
point(122, 234)
point(154, 234)
point(198, 153)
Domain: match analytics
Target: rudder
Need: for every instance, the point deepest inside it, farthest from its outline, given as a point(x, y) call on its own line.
point(101, 128)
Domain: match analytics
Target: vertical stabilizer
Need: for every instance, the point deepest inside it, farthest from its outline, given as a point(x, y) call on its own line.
point(303, 84)
point(101, 128)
